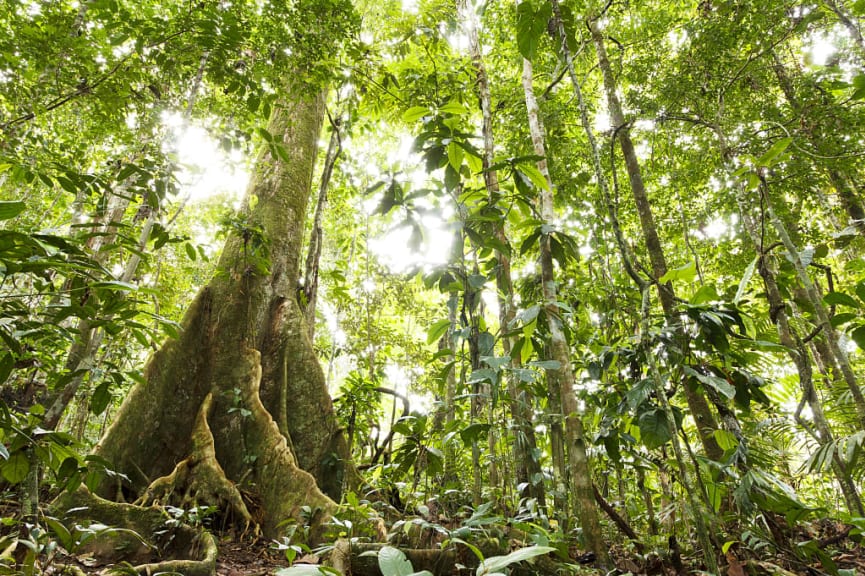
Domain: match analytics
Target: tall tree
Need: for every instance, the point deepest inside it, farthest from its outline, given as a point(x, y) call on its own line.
point(580, 473)
point(243, 361)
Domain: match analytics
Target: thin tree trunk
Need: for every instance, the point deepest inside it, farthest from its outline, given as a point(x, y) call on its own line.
point(451, 464)
point(647, 500)
point(696, 511)
point(706, 424)
point(527, 467)
point(580, 473)
point(313, 255)
point(798, 353)
point(814, 298)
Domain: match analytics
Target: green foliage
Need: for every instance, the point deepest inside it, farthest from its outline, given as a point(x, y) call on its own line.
point(532, 21)
point(392, 562)
point(725, 109)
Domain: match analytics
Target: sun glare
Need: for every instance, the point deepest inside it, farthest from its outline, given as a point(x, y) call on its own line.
point(206, 169)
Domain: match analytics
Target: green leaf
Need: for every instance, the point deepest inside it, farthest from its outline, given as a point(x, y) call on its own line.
point(531, 25)
point(526, 316)
point(726, 439)
point(546, 364)
point(499, 563)
point(533, 174)
point(455, 155)
point(60, 532)
point(190, 251)
point(454, 107)
point(437, 330)
point(768, 345)
point(718, 384)
point(858, 336)
point(415, 113)
point(473, 432)
point(10, 209)
point(115, 285)
point(858, 87)
point(101, 398)
point(821, 459)
point(496, 362)
point(15, 468)
point(638, 394)
point(685, 273)
point(860, 291)
point(841, 319)
point(714, 491)
point(705, 294)
point(267, 136)
point(771, 155)
point(481, 375)
point(654, 430)
point(836, 298)
point(392, 562)
point(7, 363)
point(746, 278)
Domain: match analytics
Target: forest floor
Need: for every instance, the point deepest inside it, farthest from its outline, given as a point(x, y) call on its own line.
point(245, 558)
point(241, 559)
point(839, 555)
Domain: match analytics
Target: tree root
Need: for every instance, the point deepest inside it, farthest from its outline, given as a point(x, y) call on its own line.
point(206, 566)
point(141, 536)
point(199, 478)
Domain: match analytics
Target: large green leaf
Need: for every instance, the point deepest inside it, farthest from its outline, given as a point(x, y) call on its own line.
point(392, 562)
point(532, 18)
point(858, 336)
point(414, 114)
point(496, 564)
point(718, 384)
point(839, 298)
point(473, 432)
point(15, 468)
point(685, 273)
point(772, 154)
point(746, 278)
point(10, 209)
point(437, 330)
point(654, 430)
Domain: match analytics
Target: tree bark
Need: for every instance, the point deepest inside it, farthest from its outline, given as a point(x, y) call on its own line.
point(313, 255)
point(580, 474)
point(705, 420)
point(244, 341)
point(815, 299)
point(527, 467)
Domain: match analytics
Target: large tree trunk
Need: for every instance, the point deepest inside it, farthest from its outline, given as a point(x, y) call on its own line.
point(244, 341)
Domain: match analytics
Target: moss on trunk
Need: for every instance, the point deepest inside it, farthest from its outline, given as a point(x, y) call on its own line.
point(244, 333)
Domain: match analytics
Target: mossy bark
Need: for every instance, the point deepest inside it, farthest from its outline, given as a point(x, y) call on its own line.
point(244, 344)
point(143, 536)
